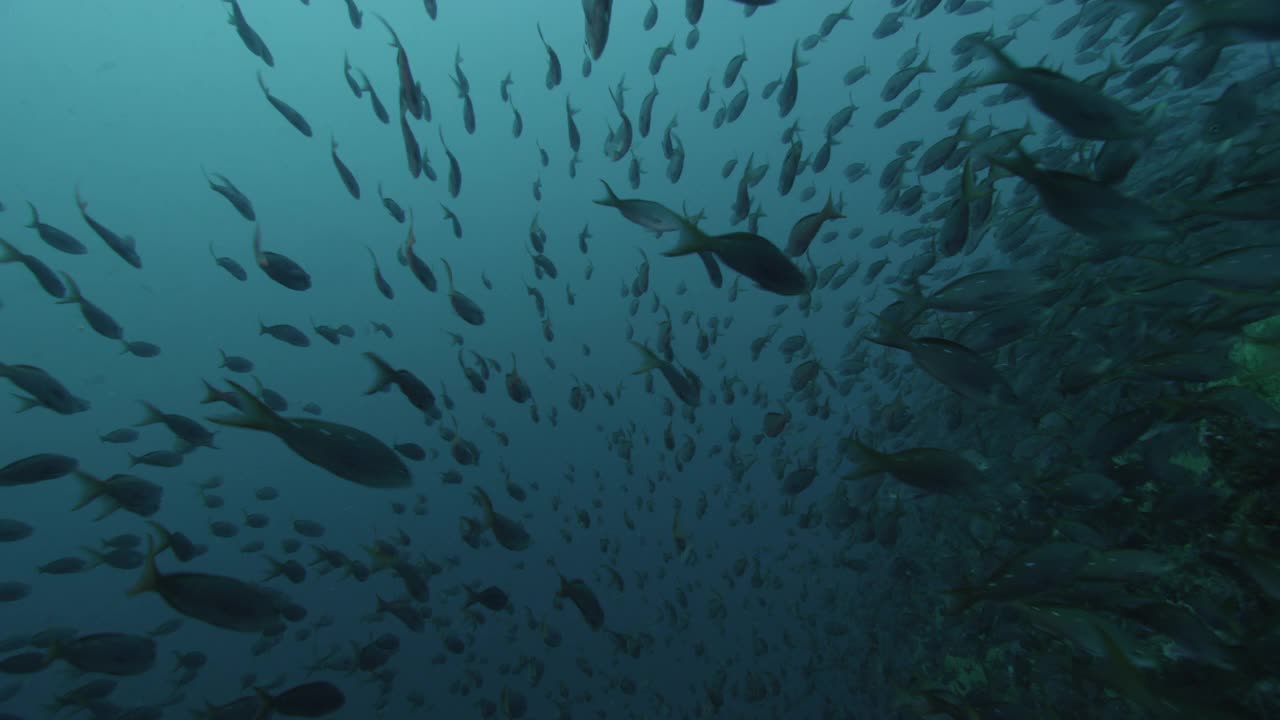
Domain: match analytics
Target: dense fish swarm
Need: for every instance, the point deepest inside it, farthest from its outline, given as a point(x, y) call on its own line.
point(913, 360)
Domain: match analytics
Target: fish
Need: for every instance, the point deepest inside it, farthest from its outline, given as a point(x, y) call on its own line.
point(280, 268)
point(223, 602)
point(509, 533)
point(1079, 108)
point(228, 190)
point(683, 383)
point(645, 213)
point(348, 179)
point(380, 282)
point(807, 228)
point(287, 111)
point(419, 268)
point(575, 138)
point(583, 598)
point(455, 170)
point(414, 390)
point(250, 37)
point(37, 468)
point(346, 452)
point(393, 208)
point(125, 246)
point(553, 61)
point(963, 371)
point(660, 54)
point(463, 306)
point(597, 15)
point(790, 90)
point(44, 275)
point(100, 320)
point(356, 88)
point(56, 238)
point(747, 253)
point(311, 699)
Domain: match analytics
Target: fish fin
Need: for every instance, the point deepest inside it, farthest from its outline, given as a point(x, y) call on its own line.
point(73, 292)
point(26, 403)
point(91, 489)
point(612, 200)
point(386, 373)
point(648, 361)
point(255, 415)
point(154, 415)
point(166, 537)
point(147, 582)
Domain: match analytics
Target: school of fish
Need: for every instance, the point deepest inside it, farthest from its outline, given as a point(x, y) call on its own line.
point(980, 424)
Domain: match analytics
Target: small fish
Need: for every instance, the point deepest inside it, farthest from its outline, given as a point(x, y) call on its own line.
point(463, 306)
point(345, 451)
point(378, 280)
point(660, 54)
point(791, 83)
point(356, 88)
point(228, 264)
point(455, 171)
point(284, 333)
point(220, 601)
point(553, 61)
point(419, 268)
point(56, 238)
point(228, 190)
point(286, 110)
point(98, 319)
point(278, 267)
point(125, 246)
point(44, 275)
point(393, 207)
point(251, 39)
point(806, 229)
point(348, 179)
point(749, 254)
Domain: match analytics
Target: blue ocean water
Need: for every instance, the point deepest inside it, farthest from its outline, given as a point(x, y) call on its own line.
point(735, 598)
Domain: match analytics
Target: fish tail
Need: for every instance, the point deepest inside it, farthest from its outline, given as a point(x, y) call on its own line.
point(612, 200)
point(255, 415)
point(692, 240)
point(154, 415)
point(8, 253)
point(166, 537)
point(211, 393)
point(96, 558)
point(1006, 71)
point(869, 461)
point(91, 489)
point(73, 292)
point(386, 374)
point(648, 361)
point(35, 215)
point(830, 209)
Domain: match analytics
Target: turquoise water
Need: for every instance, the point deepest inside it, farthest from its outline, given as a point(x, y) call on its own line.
point(737, 599)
